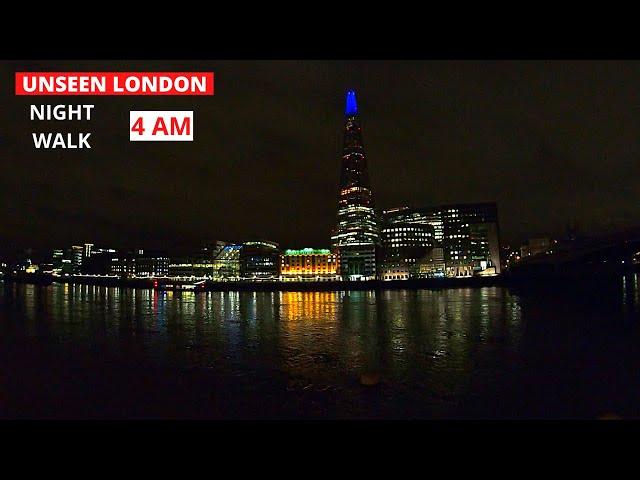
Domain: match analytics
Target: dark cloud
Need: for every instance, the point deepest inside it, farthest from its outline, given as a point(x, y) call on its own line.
point(551, 142)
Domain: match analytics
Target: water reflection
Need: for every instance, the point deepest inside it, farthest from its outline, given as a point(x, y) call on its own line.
point(426, 346)
point(630, 291)
point(321, 335)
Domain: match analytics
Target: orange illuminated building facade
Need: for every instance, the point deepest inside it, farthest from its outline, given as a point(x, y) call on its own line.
point(308, 264)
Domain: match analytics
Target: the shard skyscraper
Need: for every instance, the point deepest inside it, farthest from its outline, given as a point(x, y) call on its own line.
point(356, 237)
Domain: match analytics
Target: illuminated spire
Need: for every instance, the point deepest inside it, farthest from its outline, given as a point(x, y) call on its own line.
point(357, 223)
point(351, 107)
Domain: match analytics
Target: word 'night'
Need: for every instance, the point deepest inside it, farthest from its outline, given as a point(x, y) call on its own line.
point(61, 112)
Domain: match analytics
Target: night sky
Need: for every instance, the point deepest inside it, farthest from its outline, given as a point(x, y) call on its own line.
point(550, 142)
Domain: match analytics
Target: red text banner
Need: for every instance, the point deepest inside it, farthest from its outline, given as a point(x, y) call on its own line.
point(114, 83)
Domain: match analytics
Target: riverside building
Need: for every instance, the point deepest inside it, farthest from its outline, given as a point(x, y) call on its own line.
point(309, 264)
point(356, 238)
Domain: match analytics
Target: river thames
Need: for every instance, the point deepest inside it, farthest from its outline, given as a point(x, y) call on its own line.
point(493, 352)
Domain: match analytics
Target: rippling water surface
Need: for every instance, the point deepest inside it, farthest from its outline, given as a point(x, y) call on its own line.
point(94, 352)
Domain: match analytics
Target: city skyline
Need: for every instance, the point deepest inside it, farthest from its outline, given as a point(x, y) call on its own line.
point(400, 244)
point(319, 240)
point(117, 200)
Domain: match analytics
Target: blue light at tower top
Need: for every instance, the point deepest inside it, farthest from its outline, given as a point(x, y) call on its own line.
point(351, 107)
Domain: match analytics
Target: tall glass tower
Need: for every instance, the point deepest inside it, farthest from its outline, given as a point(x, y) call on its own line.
point(356, 236)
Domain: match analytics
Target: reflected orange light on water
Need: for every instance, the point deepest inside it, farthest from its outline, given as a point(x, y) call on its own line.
point(308, 306)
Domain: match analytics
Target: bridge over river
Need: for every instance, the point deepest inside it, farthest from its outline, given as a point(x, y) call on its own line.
point(611, 253)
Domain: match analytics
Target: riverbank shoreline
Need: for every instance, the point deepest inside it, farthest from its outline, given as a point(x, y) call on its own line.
point(197, 286)
point(260, 286)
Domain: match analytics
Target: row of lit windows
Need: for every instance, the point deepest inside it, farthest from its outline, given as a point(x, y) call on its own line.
point(403, 238)
point(407, 245)
point(310, 270)
point(403, 229)
point(308, 260)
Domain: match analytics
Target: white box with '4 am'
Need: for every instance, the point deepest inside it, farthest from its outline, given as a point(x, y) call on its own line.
point(161, 126)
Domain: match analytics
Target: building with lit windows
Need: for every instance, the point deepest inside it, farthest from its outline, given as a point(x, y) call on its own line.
point(57, 259)
point(226, 265)
point(151, 265)
point(95, 251)
point(184, 267)
point(471, 239)
point(394, 272)
point(406, 244)
point(465, 239)
point(211, 250)
point(138, 264)
point(412, 238)
point(123, 265)
point(67, 267)
point(417, 216)
point(200, 264)
point(77, 255)
point(260, 259)
point(309, 264)
point(356, 238)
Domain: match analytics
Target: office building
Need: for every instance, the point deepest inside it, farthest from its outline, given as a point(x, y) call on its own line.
point(356, 238)
point(123, 264)
point(77, 254)
point(152, 264)
point(417, 216)
point(56, 260)
point(199, 264)
point(226, 265)
point(404, 243)
point(259, 259)
point(464, 242)
point(471, 239)
point(139, 264)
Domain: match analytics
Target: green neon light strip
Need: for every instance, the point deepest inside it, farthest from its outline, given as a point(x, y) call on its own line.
point(308, 251)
